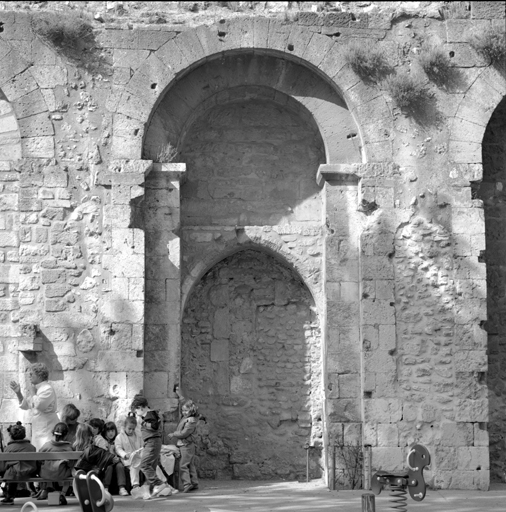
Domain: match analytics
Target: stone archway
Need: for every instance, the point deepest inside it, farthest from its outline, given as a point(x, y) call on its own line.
point(252, 359)
point(492, 191)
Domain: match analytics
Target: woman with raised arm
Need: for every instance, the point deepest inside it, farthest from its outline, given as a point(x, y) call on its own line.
point(41, 402)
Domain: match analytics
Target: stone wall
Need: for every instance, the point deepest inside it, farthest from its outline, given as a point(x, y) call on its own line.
point(103, 251)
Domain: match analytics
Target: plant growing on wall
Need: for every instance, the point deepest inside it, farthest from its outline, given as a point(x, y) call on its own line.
point(408, 93)
point(492, 44)
point(62, 31)
point(436, 64)
point(367, 61)
point(71, 35)
point(166, 154)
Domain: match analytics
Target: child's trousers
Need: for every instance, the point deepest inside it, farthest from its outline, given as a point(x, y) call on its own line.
point(150, 460)
point(187, 469)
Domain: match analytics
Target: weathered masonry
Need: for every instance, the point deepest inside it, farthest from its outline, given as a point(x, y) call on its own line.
point(232, 206)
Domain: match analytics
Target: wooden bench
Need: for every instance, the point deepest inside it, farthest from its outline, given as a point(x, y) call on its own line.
point(39, 457)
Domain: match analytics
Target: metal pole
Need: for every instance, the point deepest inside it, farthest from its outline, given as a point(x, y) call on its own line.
point(368, 503)
point(307, 463)
point(333, 470)
point(367, 467)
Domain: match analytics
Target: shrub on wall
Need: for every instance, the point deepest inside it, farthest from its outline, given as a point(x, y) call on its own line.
point(436, 64)
point(407, 92)
point(492, 44)
point(367, 61)
point(67, 31)
point(166, 154)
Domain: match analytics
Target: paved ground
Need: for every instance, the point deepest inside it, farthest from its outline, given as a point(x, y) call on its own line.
point(239, 496)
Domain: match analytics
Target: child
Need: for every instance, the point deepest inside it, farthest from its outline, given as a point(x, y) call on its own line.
point(186, 444)
point(127, 442)
point(69, 415)
point(93, 457)
point(16, 469)
point(57, 470)
point(97, 427)
point(109, 433)
point(151, 431)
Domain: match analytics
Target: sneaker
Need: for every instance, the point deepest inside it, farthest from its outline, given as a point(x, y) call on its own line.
point(42, 495)
point(146, 495)
point(63, 500)
point(123, 491)
point(158, 489)
point(7, 501)
point(137, 493)
point(188, 488)
point(194, 487)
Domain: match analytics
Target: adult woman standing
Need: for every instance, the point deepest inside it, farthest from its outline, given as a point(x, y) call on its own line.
point(42, 403)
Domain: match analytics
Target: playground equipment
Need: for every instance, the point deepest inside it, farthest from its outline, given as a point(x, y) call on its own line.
point(412, 480)
point(91, 493)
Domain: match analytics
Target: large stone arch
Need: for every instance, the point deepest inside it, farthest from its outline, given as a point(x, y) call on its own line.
point(10, 136)
point(190, 49)
point(491, 192)
point(472, 116)
point(23, 90)
point(251, 357)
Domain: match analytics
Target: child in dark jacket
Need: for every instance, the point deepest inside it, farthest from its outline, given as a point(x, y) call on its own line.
point(109, 433)
point(185, 441)
point(57, 470)
point(17, 469)
point(93, 457)
point(151, 431)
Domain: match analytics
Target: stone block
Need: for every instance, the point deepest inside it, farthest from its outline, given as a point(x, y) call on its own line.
point(472, 410)
point(388, 435)
point(344, 410)
point(480, 435)
point(117, 385)
point(473, 458)
point(471, 361)
point(48, 77)
point(349, 385)
point(53, 276)
point(349, 291)
point(220, 350)
point(155, 384)
point(123, 311)
point(377, 267)
point(29, 105)
point(382, 410)
point(118, 361)
point(38, 147)
point(8, 239)
point(487, 10)
point(455, 434)
point(387, 337)
point(389, 459)
point(375, 311)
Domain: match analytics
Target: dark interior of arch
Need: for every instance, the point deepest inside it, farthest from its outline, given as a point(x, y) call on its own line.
point(250, 344)
point(492, 191)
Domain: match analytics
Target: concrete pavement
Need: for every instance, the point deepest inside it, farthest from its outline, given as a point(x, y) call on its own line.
point(239, 496)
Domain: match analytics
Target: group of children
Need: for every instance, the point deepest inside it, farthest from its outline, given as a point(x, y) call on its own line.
point(108, 452)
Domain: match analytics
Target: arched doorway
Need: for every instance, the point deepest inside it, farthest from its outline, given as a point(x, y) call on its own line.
point(492, 191)
point(251, 358)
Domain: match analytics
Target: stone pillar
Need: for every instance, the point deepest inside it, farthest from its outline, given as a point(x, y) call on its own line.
point(163, 284)
point(122, 308)
point(342, 324)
